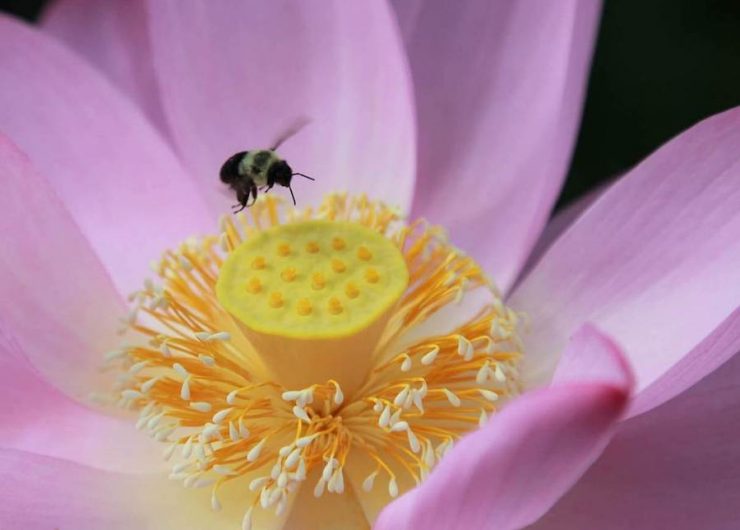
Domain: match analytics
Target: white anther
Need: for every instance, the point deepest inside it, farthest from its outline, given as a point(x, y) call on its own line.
point(138, 367)
point(489, 394)
point(401, 397)
point(254, 452)
point(146, 386)
point(384, 417)
point(482, 375)
point(328, 469)
point(318, 490)
point(233, 432)
point(265, 497)
point(429, 454)
point(185, 390)
point(215, 504)
point(378, 407)
point(167, 453)
point(400, 426)
point(483, 418)
point(224, 470)
point(293, 458)
point(187, 449)
point(131, 394)
point(201, 406)
point(221, 415)
point(180, 369)
point(243, 431)
point(203, 336)
point(306, 440)
point(395, 417)
point(338, 395)
point(369, 481)
point(301, 414)
point(231, 397)
point(418, 397)
point(393, 488)
point(285, 450)
point(291, 395)
point(211, 430)
point(451, 397)
point(499, 374)
point(220, 335)
point(413, 441)
point(154, 421)
point(300, 473)
point(281, 505)
point(430, 357)
point(406, 364)
point(164, 349)
point(336, 482)
point(282, 480)
point(258, 483)
point(247, 520)
point(305, 397)
point(275, 471)
point(115, 354)
point(207, 360)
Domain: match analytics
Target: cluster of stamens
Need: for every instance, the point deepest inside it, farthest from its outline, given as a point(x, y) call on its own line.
point(200, 387)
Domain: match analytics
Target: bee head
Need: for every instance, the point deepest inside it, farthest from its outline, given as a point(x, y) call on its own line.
point(230, 169)
point(280, 173)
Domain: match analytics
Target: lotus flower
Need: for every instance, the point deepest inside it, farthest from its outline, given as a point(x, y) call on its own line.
point(601, 369)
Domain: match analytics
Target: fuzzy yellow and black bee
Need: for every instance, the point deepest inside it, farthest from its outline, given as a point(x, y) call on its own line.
point(249, 172)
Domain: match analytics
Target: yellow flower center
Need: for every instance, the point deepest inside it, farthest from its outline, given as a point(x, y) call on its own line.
point(324, 351)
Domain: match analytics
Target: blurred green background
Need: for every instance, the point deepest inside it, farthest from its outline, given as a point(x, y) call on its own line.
point(660, 66)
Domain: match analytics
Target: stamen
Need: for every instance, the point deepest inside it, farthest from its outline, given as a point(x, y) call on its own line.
point(284, 347)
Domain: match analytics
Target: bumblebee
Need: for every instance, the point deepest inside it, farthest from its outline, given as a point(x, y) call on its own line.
point(249, 172)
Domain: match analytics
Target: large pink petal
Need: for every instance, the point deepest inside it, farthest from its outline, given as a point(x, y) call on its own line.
point(510, 472)
point(499, 87)
point(42, 493)
point(114, 36)
point(38, 418)
point(654, 261)
point(234, 75)
point(125, 189)
point(58, 301)
point(677, 467)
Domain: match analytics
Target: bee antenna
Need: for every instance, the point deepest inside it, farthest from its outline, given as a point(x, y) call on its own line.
point(302, 175)
point(291, 194)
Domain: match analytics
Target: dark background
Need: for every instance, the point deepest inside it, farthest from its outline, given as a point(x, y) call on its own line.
point(660, 66)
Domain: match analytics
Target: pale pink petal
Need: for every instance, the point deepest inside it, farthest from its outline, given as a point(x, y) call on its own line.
point(59, 303)
point(234, 75)
point(676, 467)
point(510, 472)
point(703, 359)
point(38, 418)
point(125, 189)
point(42, 493)
point(499, 87)
point(114, 36)
point(592, 356)
point(654, 261)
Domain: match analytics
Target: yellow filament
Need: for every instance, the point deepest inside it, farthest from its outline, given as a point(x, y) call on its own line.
point(208, 392)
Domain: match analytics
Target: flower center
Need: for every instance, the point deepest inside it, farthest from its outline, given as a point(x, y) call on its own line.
point(320, 351)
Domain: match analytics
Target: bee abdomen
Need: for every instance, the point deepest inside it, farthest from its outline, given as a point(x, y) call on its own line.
point(230, 169)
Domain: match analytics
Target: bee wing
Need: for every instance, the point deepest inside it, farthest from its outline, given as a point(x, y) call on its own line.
point(299, 124)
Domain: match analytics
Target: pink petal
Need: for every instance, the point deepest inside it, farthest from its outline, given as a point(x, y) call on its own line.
point(510, 472)
point(121, 183)
point(499, 87)
point(42, 493)
point(675, 467)
point(235, 75)
point(592, 356)
point(654, 261)
point(112, 35)
point(38, 418)
point(60, 305)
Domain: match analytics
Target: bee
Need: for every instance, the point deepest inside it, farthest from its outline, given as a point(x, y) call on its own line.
point(249, 172)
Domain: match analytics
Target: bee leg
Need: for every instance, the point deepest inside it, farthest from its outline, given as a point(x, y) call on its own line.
point(254, 191)
point(243, 198)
